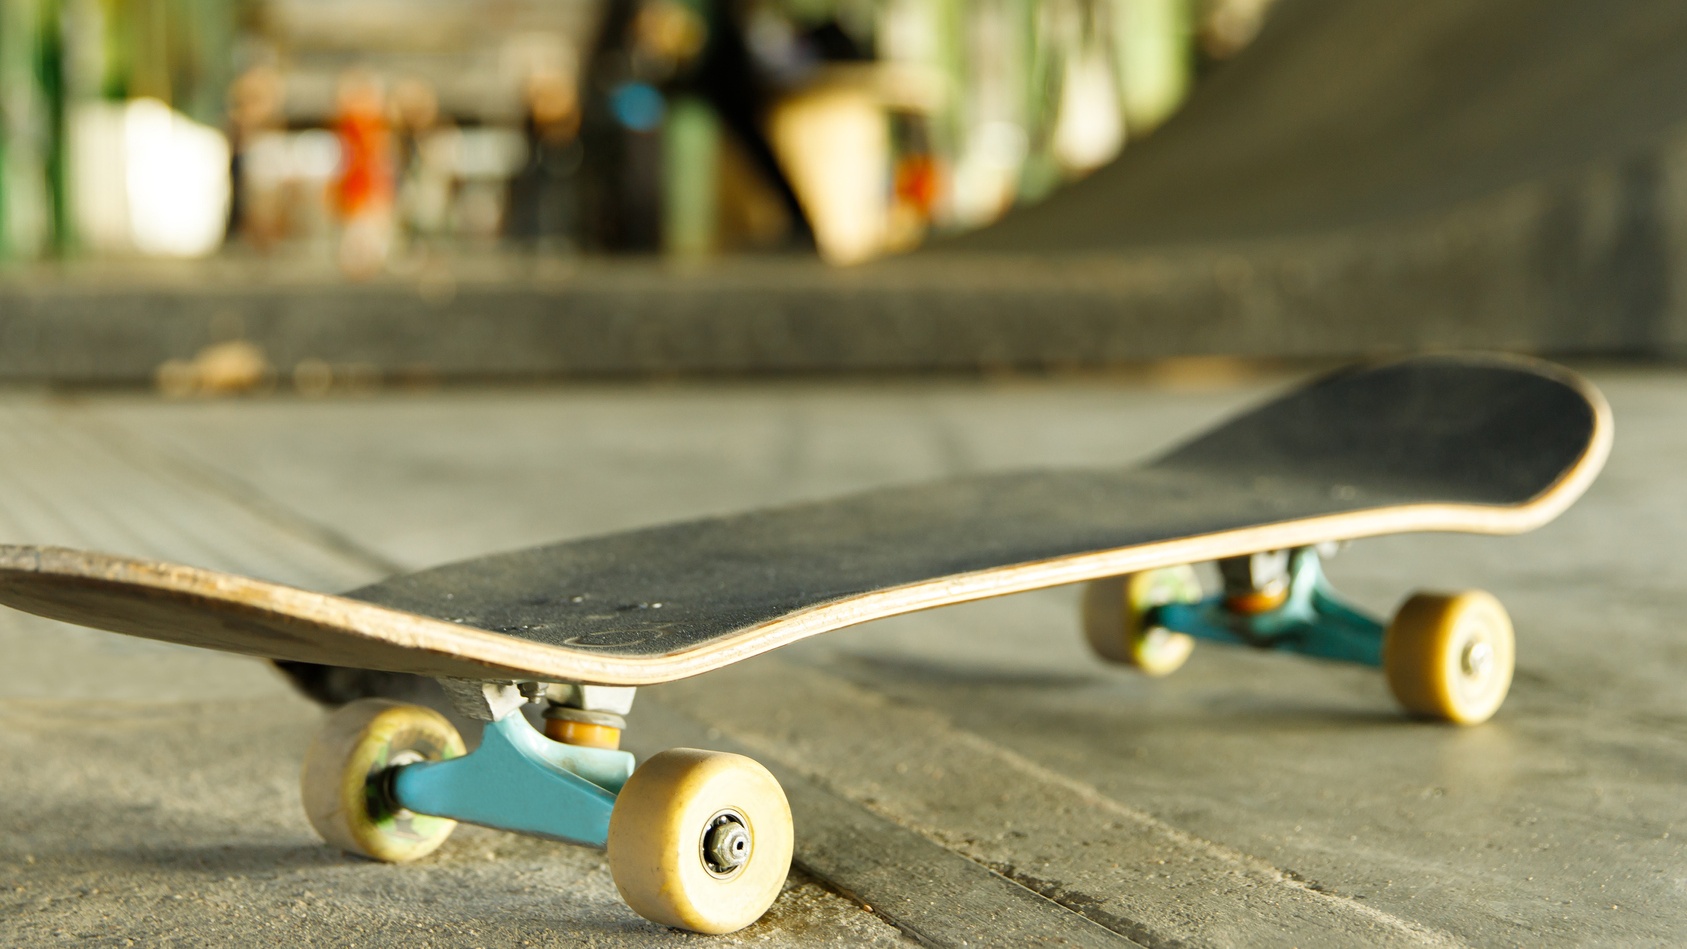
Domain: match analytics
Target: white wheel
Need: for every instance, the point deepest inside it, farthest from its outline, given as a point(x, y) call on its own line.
point(700, 840)
point(1114, 609)
point(343, 772)
point(1450, 656)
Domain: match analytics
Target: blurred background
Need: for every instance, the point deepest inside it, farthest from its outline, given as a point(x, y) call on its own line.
point(380, 132)
point(457, 189)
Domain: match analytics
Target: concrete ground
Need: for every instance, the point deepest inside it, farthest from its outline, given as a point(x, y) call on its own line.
point(968, 776)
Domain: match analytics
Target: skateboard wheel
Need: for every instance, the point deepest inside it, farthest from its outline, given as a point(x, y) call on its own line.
point(342, 783)
point(1450, 656)
point(1114, 608)
point(700, 840)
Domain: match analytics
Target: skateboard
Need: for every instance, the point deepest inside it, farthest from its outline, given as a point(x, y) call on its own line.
point(703, 840)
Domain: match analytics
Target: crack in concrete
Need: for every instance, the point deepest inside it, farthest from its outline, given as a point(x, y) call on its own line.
point(1089, 907)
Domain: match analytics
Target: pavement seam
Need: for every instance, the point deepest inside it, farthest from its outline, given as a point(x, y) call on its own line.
point(1237, 886)
point(1276, 874)
point(189, 469)
point(957, 901)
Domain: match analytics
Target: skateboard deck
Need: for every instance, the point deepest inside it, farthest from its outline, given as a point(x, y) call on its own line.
point(1447, 443)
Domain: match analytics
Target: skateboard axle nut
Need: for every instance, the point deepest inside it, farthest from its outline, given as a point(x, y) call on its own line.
point(726, 843)
point(1477, 659)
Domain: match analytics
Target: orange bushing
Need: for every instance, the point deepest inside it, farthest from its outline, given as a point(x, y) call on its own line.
point(1257, 601)
point(588, 734)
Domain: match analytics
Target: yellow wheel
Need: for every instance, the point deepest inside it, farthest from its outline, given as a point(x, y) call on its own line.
point(344, 776)
point(700, 840)
point(1450, 656)
point(1113, 618)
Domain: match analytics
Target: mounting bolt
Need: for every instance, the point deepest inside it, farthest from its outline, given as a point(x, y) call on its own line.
point(726, 843)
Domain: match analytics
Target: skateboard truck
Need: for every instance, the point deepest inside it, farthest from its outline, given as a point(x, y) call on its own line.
point(700, 840)
point(1279, 599)
point(518, 779)
point(1446, 656)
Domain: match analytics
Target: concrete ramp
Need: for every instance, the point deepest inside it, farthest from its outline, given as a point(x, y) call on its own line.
point(1514, 166)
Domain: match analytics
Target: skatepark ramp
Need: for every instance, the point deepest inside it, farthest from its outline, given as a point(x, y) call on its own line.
point(1379, 175)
